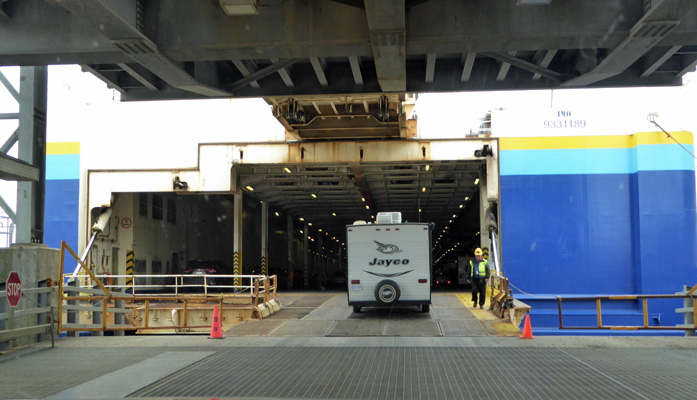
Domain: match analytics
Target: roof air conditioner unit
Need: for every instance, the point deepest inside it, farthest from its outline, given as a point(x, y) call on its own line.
point(389, 218)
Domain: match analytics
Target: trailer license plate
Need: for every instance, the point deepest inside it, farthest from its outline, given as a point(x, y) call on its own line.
point(356, 287)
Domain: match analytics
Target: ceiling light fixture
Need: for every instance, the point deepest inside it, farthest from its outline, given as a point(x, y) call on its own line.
point(286, 169)
point(314, 196)
point(476, 181)
point(251, 189)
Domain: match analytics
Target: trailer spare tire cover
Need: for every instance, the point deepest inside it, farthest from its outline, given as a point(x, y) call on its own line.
point(387, 292)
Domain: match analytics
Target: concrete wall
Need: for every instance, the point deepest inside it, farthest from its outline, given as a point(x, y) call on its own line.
point(34, 264)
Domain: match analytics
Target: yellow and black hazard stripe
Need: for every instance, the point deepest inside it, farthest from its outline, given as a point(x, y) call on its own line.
point(485, 253)
point(237, 266)
point(130, 270)
point(264, 269)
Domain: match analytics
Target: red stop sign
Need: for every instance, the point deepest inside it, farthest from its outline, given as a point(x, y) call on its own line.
point(14, 289)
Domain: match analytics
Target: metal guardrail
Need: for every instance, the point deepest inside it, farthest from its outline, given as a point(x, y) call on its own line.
point(689, 310)
point(89, 293)
point(644, 299)
point(41, 309)
point(502, 301)
point(501, 296)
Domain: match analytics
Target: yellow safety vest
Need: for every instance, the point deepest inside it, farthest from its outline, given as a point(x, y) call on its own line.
point(482, 269)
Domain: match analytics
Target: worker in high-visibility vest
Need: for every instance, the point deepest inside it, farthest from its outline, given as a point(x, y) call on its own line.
point(478, 275)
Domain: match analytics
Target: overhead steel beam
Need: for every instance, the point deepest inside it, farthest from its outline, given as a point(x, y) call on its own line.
point(511, 59)
point(247, 68)
point(355, 63)
point(319, 65)
point(467, 67)
point(689, 66)
point(110, 82)
point(544, 62)
point(140, 74)
point(386, 21)
point(262, 73)
point(9, 142)
point(505, 65)
point(121, 22)
point(8, 86)
point(430, 67)
point(660, 19)
point(12, 169)
point(285, 75)
point(656, 59)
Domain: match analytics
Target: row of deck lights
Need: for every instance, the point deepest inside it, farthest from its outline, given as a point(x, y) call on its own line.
point(450, 221)
point(446, 252)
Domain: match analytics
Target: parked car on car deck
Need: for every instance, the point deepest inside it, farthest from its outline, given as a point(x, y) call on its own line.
point(208, 268)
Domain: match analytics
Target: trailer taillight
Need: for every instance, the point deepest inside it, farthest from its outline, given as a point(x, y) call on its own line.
point(355, 281)
point(422, 280)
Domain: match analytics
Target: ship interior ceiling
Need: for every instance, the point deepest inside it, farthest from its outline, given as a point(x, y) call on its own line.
point(325, 198)
point(331, 196)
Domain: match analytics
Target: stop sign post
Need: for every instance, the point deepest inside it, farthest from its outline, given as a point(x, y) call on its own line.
point(14, 289)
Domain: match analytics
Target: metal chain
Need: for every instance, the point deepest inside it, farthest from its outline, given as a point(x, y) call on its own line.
point(531, 295)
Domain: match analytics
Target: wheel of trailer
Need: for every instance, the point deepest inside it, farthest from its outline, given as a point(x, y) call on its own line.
point(425, 307)
point(387, 292)
point(356, 309)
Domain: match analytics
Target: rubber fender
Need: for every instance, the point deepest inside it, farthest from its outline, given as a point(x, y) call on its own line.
point(387, 292)
point(263, 311)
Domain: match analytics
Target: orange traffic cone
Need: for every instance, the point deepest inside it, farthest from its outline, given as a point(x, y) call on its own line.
point(216, 328)
point(527, 330)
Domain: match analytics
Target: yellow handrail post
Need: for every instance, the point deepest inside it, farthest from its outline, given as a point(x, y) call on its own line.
point(105, 303)
point(186, 311)
point(147, 313)
point(266, 290)
point(646, 312)
point(561, 323)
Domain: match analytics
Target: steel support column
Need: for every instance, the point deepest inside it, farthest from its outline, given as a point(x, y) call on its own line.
point(32, 150)
point(289, 230)
point(319, 267)
point(237, 237)
point(484, 239)
point(264, 238)
point(306, 256)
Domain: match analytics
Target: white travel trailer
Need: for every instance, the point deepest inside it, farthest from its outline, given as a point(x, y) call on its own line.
point(389, 263)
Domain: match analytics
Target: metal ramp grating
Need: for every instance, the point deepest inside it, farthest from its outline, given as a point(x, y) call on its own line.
point(434, 373)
